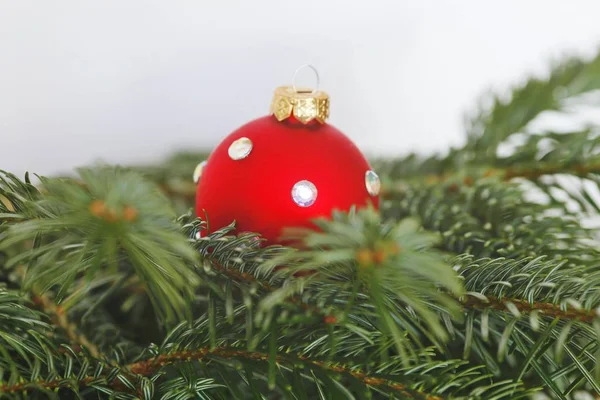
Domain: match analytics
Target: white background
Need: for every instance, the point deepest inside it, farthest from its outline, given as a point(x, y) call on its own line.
point(132, 80)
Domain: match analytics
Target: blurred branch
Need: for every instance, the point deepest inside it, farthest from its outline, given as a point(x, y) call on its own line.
point(506, 116)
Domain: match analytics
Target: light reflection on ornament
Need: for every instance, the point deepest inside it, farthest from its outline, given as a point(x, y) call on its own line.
point(198, 171)
point(304, 193)
point(372, 183)
point(240, 148)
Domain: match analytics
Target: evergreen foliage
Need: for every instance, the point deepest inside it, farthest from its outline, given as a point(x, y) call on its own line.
point(478, 279)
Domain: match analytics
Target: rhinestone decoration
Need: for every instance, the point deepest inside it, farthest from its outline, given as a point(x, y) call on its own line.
point(240, 149)
point(372, 183)
point(198, 235)
point(304, 193)
point(198, 171)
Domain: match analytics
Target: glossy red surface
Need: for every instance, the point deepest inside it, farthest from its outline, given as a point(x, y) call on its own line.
point(256, 191)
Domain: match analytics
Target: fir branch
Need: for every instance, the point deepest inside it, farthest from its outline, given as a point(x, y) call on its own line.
point(174, 177)
point(439, 377)
point(560, 301)
point(59, 319)
point(20, 327)
point(364, 299)
point(213, 253)
point(534, 280)
point(568, 79)
point(548, 161)
point(110, 216)
point(386, 261)
point(491, 218)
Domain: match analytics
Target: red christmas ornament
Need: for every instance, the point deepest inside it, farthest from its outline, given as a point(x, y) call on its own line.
point(284, 170)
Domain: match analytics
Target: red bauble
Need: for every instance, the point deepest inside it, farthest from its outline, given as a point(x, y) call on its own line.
point(256, 190)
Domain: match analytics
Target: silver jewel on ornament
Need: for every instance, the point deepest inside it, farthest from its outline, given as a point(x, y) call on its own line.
point(240, 148)
point(372, 183)
point(304, 193)
point(198, 235)
point(198, 171)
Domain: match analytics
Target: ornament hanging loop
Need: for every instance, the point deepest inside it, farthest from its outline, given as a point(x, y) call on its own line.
point(304, 104)
point(296, 74)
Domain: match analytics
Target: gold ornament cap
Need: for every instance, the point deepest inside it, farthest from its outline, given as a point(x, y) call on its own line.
point(304, 104)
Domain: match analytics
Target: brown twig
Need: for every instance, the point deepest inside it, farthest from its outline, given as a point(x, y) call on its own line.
point(149, 367)
point(244, 276)
point(506, 174)
point(188, 193)
point(48, 385)
point(532, 173)
point(59, 318)
point(525, 307)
